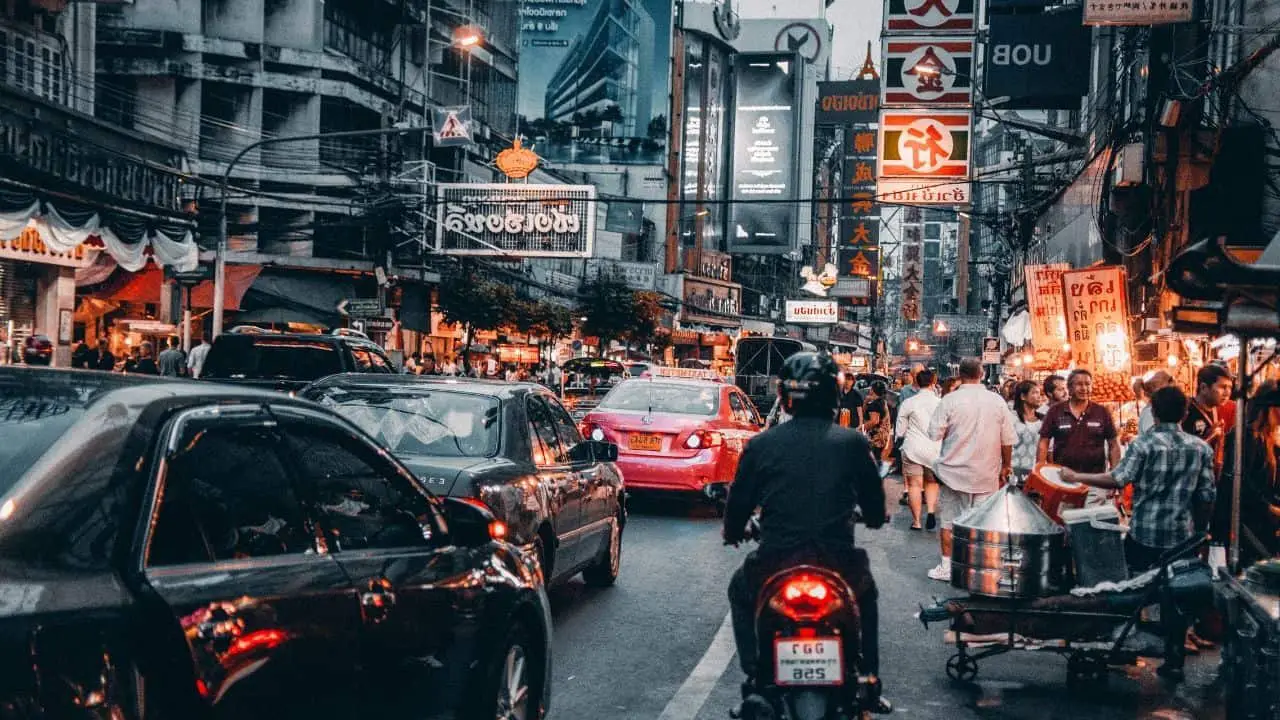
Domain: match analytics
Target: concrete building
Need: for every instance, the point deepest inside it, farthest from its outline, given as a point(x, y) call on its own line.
point(610, 65)
point(220, 74)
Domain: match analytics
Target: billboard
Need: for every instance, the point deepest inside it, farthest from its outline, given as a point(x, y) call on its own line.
point(812, 312)
point(516, 219)
point(924, 157)
point(843, 102)
point(928, 71)
point(594, 79)
point(764, 154)
point(930, 16)
point(1034, 60)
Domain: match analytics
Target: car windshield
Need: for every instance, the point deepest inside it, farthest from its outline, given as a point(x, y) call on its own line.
point(425, 422)
point(643, 396)
point(255, 357)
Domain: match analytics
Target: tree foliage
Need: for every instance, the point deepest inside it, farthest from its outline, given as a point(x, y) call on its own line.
point(646, 318)
point(608, 306)
point(475, 302)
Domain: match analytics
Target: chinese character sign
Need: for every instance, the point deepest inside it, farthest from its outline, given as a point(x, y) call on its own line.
point(924, 157)
point(930, 16)
point(1097, 319)
point(928, 71)
point(1044, 304)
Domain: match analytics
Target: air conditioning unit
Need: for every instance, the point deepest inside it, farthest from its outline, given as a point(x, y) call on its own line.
point(1130, 165)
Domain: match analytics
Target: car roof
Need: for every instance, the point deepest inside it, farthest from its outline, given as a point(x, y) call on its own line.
point(493, 388)
point(295, 337)
point(93, 387)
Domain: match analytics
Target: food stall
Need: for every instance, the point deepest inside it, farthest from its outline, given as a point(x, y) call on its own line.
point(1224, 296)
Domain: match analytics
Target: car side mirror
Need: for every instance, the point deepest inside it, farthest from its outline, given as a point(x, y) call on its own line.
point(604, 451)
point(470, 524)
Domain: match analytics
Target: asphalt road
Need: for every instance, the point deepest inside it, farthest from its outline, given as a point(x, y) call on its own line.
point(657, 647)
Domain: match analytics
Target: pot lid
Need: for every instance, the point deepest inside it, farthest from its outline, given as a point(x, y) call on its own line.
point(1009, 511)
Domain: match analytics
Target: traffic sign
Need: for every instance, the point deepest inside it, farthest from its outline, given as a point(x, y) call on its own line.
point(990, 351)
point(361, 307)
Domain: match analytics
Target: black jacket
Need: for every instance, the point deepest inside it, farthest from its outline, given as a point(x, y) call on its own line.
point(806, 475)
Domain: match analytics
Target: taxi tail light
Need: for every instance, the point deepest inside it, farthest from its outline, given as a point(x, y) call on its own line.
point(805, 597)
point(591, 431)
point(704, 439)
point(497, 528)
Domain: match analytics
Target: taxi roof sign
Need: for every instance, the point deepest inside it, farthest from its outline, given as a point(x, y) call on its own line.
point(684, 373)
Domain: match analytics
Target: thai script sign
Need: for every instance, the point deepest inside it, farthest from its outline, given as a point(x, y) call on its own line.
point(1044, 304)
point(813, 312)
point(1097, 319)
point(510, 219)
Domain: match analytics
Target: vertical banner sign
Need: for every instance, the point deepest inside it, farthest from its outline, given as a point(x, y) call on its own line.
point(1097, 319)
point(1044, 304)
point(764, 153)
point(912, 272)
point(924, 157)
point(928, 71)
point(594, 79)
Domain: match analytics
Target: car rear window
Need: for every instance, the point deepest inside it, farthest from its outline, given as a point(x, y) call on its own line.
point(419, 422)
point(679, 399)
point(30, 425)
point(258, 357)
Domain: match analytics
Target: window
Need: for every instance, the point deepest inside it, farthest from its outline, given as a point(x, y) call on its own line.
point(410, 421)
point(739, 410)
point(256, 356)
point(226, 496)
point(369, 360)
point(658, 397)
point(566, 430)
point(362, 502)
point(543, 428)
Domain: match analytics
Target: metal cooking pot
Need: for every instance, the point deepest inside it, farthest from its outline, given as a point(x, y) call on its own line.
point(1006, 546)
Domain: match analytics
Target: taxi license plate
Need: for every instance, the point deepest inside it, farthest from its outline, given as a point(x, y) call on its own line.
point(808, 661)
point(642, 441)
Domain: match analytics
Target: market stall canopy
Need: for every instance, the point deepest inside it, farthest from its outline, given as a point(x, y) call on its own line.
point(144, 287)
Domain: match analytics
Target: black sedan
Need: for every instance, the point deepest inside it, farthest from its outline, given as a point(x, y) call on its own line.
point(512, 447)
point(181, 550)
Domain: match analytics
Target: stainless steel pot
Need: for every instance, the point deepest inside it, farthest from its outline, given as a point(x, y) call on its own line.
point(1007, 546)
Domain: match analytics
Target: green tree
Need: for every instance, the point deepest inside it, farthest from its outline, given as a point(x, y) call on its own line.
point(609, 307)
point(646, 318)
point(475, 302)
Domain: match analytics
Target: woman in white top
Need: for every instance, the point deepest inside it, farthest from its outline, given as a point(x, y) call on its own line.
point(1027, 397)
point(919, 452)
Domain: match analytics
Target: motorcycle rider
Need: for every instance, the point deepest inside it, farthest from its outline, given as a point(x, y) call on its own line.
point(806, 475)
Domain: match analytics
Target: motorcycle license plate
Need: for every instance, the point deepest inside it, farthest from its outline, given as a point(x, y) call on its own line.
point(808, 661)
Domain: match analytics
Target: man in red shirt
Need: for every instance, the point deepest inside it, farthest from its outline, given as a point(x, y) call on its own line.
point(1079, 434)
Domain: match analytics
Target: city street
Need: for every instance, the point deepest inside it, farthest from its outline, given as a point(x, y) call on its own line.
point(653, 646)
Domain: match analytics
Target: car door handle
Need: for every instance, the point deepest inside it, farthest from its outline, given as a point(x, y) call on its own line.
point(377, 600)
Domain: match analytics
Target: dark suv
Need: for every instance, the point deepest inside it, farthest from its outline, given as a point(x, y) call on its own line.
point(289, 362)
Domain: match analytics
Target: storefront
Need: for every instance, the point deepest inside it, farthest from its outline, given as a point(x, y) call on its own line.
point(711, 311)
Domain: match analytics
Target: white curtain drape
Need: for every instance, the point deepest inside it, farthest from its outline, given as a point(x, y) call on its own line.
point(61, 236)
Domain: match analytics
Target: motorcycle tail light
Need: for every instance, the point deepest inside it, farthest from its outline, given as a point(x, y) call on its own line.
point(805, 597)
point(704, 439)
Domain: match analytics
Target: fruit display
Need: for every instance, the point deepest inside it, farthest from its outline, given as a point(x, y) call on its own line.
point(1112, 388)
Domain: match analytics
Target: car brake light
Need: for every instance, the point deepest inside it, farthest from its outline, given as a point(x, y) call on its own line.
point(497, 528)
point(592, 432)
point(805, 597)
point(704, 439)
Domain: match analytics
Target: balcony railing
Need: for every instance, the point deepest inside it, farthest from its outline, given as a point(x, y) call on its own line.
point(34, 61)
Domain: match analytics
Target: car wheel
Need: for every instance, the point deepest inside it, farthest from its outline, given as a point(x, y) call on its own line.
point(514, 682)
point(604, 573)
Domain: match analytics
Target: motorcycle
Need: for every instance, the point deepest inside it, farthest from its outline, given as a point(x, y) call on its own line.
point(809, 648)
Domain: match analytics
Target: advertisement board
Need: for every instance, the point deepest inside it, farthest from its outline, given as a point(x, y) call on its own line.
point(1044, 305)
point(1034, 60)
point(637, 275)
point(848, 102)
point(812, 312)
point(928, 71)
point(924, 157)
point(1137, 12)
point(1097, 315)
point(516, 219)
point(714, 303)
point(930, 16)
point(594, 79)
point(761, 221)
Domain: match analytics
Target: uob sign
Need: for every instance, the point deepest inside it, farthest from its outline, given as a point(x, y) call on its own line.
point(1034, 60)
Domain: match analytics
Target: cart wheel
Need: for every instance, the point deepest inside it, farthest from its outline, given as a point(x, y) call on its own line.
point(962, 668)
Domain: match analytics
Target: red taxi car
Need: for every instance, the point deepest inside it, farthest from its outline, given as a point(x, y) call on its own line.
point(676, 430)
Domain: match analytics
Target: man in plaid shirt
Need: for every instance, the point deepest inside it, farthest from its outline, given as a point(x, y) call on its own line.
point(1173, 490)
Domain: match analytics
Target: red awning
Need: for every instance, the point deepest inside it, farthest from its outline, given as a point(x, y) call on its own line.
point(144, 287)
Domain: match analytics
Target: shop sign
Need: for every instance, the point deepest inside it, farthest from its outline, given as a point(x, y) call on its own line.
point(812, 312)
point(1097, 319)
point(29, 247)
point(921, 71)
point(912, 280)
point(852, 288)
point(1034, 60)
point(860, 262)
point(637, 275)
point(930, 16)
point(38, 146)
point(709, 264)
point(899, 191)
point(930, 144)
point(1044, 305)
point(1137, 12)
point(715, 304)
point(684, 337)
point(846, 102)
point(512, 219)
point(990, 350)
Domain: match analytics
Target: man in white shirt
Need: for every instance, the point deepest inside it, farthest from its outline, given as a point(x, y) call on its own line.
point(919, 451)
point(977, 435)
point(1155, 381)
point(195, 360)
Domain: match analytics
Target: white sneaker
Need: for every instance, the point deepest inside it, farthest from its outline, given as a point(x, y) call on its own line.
point(941, 572)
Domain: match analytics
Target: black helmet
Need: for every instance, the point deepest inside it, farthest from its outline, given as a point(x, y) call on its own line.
point(809, 385)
